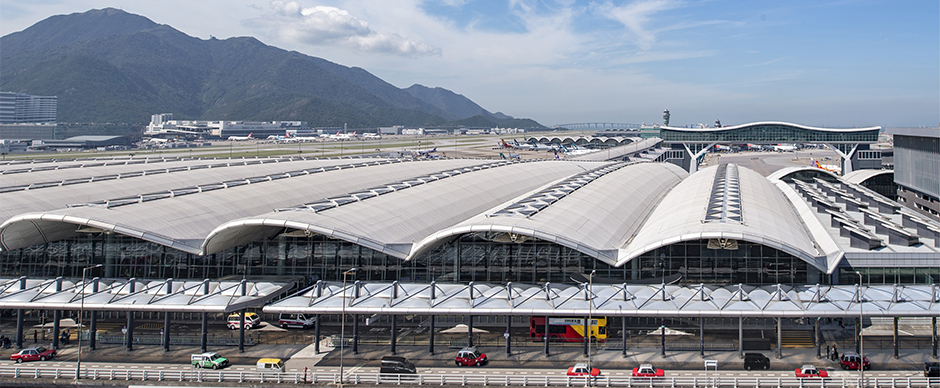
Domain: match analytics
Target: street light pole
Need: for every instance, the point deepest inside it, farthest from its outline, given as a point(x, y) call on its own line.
point(342, 330)
point(590, 317)
point(81, 314)
point(861, 325)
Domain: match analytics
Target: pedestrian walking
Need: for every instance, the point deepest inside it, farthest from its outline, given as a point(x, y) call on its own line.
point(829, 352)
point(35, 336)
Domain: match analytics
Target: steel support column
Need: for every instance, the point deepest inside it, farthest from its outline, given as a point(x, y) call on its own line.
point(741, 336)
point(701, 331)
point(662, 336)
point(166, 332)
point(316, 334)
point(933, 335)
point(129, 338)
point(92, 329)
point(204, 340)
point(587, 336)
point(509, 335)
point(56, 316)
point(896, 356)
point(469, 330)
point(817, 338)
point(431, 335)
point(858, 335)
point(241, 331)
point(545, 337)
point(19, 328)
point(779, 339)
point(394, 332)
point(355, 348)
point(623, 323)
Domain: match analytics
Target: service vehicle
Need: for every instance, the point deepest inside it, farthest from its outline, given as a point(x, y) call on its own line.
point(583, 370)
point(567, 329)
point(35, 353)
point(756, 361)
point(932, 369)
point(252, 320)
point(470, 356)
point(397, 365)
point(270, 365)
point(851, 360)
point(208, 360)
point(296, 320)
point(647, 370)
point(809, 371)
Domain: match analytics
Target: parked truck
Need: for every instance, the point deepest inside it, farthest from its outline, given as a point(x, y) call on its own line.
point(209, 360)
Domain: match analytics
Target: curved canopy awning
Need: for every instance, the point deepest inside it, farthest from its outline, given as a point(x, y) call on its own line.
point(133, 294)
point(625, 300)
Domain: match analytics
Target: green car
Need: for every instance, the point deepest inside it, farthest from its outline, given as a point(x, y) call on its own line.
point(209, 360)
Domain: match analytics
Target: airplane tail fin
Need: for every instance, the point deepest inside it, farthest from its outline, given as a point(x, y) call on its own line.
point(502, 156)
point(249, 134)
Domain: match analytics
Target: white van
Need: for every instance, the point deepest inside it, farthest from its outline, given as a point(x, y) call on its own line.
point(270, 365)
point(235, 321)
point(297, 320)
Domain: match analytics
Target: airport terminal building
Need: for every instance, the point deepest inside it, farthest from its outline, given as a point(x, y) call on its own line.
point(565, 238)
point(457, 221)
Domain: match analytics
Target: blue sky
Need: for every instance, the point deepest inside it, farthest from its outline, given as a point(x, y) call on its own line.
point(827, 63)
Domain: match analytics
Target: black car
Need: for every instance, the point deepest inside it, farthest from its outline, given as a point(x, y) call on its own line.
point(397, 365)
point(931, 369)
point(756, 361)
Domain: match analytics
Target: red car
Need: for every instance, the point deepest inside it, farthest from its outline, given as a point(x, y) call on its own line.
point(851, 360)
point(36, 353)
point(647, 370)
point(809, 371)
point(582, 370)
point(470, 356)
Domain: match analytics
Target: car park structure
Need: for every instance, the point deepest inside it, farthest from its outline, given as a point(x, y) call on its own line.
point(458, 237)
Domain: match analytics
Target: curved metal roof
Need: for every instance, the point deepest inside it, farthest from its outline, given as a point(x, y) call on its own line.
point(591, 218)
point(392, 222)
point(859, 176)
point(741, 126)
point(783, 172)
point(731, 203)
point(183, 221)
point(615, 300)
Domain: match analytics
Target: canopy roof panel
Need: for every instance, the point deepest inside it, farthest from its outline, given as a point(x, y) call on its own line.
point(612, 300)
point(138, 294)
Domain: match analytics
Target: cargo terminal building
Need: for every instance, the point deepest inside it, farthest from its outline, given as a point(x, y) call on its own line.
point(465, 225)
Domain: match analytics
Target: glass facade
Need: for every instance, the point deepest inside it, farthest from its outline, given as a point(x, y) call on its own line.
point(478, 257)
point(890, 275)
point(770, 133)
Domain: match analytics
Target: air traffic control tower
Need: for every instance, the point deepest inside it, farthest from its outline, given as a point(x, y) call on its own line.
point(852, 144)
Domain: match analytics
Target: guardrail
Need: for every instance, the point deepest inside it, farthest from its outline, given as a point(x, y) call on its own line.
point(200, 375)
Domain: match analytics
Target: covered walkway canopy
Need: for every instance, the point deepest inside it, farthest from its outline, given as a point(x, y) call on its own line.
point(624, 300)
point(138, 295)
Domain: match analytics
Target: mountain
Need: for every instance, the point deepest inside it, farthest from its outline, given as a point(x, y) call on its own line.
point(108, 65)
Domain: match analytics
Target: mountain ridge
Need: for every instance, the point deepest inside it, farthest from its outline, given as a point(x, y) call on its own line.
point(107, 65)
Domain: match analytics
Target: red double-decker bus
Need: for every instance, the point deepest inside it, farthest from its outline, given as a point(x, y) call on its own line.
point(567, 329)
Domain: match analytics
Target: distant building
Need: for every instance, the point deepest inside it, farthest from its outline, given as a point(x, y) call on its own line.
point(917, 168)
point(19, 108)
point(162, 125)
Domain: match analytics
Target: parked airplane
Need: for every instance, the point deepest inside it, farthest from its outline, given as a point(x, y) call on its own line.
point(241, 138)
point(575, 150)
point(503, 144)
point(159, 140)
point(827, 167)
point(370, 135)
point(531, 146)
point(784, 147)
point(343, 136)
point(511, 156)
point(428, 152)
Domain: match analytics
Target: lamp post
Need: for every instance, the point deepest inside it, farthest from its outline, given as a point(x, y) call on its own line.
point(342, 329)
point(81, 314)
point(861, 325)
point(590, 317)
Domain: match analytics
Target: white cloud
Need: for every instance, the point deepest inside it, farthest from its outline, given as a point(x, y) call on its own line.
point(636, 16)
point(331, 26)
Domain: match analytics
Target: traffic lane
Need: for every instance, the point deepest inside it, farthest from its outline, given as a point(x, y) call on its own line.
point(363, 368)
